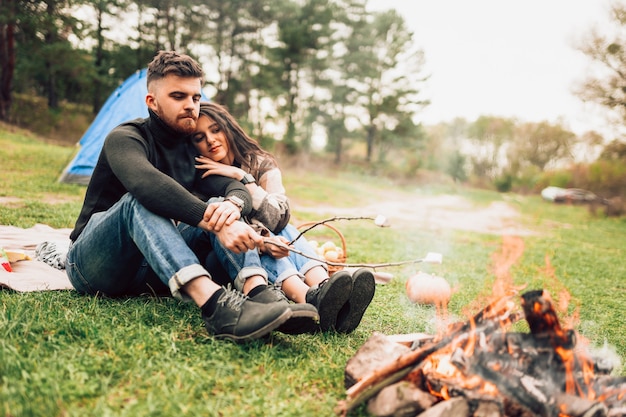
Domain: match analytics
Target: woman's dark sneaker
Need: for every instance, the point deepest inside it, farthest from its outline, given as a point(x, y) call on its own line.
point(240, 319)
point(363, 289)
point(329, 297)
point(304, 317)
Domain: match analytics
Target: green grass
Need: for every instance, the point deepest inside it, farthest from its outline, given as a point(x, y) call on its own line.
point(67, 355)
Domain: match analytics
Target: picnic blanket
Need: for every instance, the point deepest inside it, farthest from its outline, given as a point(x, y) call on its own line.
point(36, 275)
point(33, 274)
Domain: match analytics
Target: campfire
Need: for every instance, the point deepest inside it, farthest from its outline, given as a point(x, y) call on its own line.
point(482, 368)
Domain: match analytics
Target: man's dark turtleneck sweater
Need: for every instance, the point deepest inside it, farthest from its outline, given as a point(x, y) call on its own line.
point(155, 164)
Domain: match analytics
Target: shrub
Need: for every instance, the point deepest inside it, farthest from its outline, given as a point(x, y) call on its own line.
point(608, 178)
point(66, 124)
point(503, 183)
point(605, 178)
point(527, 179)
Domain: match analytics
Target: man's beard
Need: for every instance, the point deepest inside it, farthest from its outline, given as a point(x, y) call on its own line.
point(182, 125)
point(187, 125)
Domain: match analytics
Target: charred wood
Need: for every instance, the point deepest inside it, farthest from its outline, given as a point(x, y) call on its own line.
point(603, 366)
point(445, 389)
point(612, 390)
point(517, 344)
point(529, 392)
point(543, 320)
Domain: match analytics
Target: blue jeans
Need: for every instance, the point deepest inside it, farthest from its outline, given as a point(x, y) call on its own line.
point(244, 265)
point(120, 249)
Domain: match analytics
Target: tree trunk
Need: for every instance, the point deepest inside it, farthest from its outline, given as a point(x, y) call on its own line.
point(338, 150)
point(97, 87)
point(7, 58)
point(51, 37)
point(371, 132)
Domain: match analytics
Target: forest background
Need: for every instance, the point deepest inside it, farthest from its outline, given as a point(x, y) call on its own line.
point(321, 80)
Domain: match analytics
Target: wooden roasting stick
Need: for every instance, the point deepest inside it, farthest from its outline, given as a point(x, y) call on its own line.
point(379, 221)
point(368, 386)
point(342, 264)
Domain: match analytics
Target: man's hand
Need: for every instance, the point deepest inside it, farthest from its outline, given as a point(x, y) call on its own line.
point(218, 215)
point(217, 168)
point(275, 251)
point(239, 237)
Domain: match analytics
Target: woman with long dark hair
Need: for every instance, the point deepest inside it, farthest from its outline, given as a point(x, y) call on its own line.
point(225, 149)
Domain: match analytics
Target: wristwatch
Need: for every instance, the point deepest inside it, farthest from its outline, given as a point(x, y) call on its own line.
point(235, 200)
point(247, 179)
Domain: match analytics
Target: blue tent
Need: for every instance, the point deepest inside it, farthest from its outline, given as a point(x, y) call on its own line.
point(127, 102)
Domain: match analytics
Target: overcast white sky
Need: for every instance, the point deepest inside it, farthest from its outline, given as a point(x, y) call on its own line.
point(510, 58)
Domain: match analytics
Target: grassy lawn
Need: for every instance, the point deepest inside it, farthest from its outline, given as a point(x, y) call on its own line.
point(67, 355)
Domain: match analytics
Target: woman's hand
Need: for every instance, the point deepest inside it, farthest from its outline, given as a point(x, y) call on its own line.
point(217, 168)
point(275, 251)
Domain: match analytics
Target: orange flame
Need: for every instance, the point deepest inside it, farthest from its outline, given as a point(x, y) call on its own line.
point(579, 369)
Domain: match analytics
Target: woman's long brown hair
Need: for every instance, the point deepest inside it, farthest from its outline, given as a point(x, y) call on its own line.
point(245, 149)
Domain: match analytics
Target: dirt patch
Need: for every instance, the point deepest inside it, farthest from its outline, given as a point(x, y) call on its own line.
point(59, 199)
point(438, 213)
point(10, 201)
point(425, 212)
point(45, 198)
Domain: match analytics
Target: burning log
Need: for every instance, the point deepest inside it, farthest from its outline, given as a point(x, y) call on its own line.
point(494, 316)
point(529, 392)
point(375, 352)
point(539, 374)
point(543, 320)
point(521, 345)
point(612, 390)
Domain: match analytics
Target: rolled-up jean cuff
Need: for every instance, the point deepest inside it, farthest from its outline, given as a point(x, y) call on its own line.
point(286, 274)
point(247, 272)
point(183, 276)
point(312, 264)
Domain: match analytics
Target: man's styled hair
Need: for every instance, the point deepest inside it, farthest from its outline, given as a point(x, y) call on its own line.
point(170, 62)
